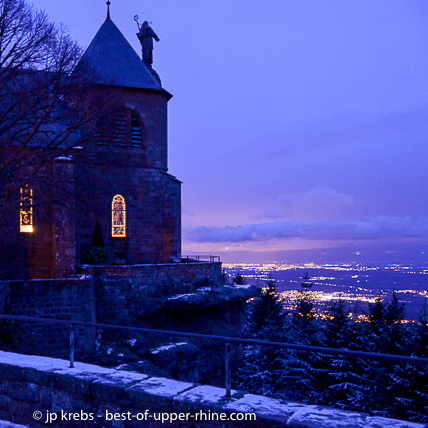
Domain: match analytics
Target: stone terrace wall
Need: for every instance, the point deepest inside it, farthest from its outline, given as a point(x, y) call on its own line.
point(71, 299)
point(31, 388)
point(158, 272)
point(120, 290)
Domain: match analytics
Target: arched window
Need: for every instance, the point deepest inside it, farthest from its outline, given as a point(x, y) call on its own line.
point(118, 217)
point(129, 131)
point(26, 210)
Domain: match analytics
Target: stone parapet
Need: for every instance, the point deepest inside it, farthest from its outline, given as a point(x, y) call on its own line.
point(97, 396)
point(5, 424)
point(164, 271)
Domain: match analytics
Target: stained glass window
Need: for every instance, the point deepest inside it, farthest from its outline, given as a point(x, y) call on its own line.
point(118, 217)
point(26, 210)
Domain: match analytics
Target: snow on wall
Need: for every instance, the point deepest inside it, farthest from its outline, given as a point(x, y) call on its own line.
point(26, 381)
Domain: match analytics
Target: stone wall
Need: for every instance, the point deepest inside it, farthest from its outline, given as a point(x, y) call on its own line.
point(34, 390)
point(22, 251)
point(139, 174)
point(71, 299)
point(117, 295)
point(86, 182)
point(63, 230)
point(160, 272)
point(122, 291)
point(153, 214)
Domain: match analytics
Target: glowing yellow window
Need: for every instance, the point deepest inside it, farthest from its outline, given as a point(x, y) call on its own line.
point(118, 217)
point(26, 210)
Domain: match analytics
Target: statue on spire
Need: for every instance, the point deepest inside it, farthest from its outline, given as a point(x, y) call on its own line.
point(146, 36)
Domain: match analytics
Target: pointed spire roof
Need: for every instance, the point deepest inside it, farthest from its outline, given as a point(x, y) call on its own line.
point(115, 62)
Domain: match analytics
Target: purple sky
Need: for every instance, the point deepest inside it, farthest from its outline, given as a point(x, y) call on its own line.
point(294, 125)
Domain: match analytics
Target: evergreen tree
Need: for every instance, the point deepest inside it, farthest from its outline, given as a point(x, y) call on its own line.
point(381, 388)
point(420, 338)
point(394, 311)
point(305, 307)
point(376, 311)
point(97, 237)
point(265, 314)
point(337, 325)
point(239, 279)
point(263, 367)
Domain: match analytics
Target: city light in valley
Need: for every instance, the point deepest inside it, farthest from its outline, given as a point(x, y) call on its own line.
point(356, 284)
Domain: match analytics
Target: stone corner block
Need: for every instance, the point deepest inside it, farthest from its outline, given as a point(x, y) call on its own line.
point(155, 393)
point(317, 416)
point(111, 387)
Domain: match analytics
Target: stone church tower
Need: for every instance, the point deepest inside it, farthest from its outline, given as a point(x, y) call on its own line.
point(130, 194)
point(123, 196)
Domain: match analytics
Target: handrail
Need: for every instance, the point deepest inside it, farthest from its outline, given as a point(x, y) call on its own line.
point(227, 340)
point(211, 259)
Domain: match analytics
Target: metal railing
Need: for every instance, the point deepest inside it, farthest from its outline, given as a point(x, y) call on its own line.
point(227, 341)
point(190, 259)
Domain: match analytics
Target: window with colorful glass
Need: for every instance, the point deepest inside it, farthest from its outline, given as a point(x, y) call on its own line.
point(26, 210)
point(118, 217)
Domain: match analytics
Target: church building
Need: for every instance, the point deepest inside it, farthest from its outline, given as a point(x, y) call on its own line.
point(124, 198)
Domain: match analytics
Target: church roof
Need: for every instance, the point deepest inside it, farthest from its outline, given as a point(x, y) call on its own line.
point(115, 62)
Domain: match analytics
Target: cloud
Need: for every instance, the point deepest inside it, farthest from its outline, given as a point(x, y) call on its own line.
point(319, 203)
point(375, 228)
point(320, 195)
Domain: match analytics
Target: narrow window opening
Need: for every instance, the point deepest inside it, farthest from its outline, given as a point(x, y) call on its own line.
point(119, 137)
point(118, 217)
point(26, 210)
point(128, 131)
point(136, 132)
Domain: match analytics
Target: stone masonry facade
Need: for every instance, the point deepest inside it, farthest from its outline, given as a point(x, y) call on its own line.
point(121, 295)
point(130, 160)
point(71, 300)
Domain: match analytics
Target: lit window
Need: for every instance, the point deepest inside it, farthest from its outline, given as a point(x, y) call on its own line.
point(26, 210)
point(118, 217)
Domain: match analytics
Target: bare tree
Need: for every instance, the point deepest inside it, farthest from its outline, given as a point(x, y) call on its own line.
point(48, 107)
